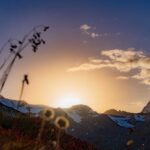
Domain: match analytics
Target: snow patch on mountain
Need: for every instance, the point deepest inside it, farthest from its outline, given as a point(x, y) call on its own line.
point(139, 118)
point(35, 109)
point(74, 115)
point(121, 121)
point(8, 103)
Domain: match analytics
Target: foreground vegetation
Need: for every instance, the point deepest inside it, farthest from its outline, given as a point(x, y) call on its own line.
point(29, 133)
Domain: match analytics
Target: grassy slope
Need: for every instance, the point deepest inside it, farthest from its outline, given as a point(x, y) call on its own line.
point(23, 133)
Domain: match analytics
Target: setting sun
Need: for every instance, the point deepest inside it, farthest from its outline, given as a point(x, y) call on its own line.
point(68, 102)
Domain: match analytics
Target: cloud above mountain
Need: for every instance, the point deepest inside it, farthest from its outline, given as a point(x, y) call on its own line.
point(91, 31)
point(123, 61)
point(122, 78)
point(88, 30)
point(85, 27)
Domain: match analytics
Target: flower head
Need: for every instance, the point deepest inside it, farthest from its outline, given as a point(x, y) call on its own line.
point(130, 142)
point(61, 122)
point(48, 114)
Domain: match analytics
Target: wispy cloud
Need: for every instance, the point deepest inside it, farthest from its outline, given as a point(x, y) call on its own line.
point(94, 35)
point(123, 61)
point(90, 31)
point(85, 27)
point(122, 78)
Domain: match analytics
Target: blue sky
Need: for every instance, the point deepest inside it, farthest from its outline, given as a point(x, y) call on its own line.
point(111, 24)
point(130, 18)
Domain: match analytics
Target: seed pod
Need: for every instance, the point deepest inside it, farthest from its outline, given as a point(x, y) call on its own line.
point(13, 46)
point(20, 42)
point(38, 34)
point(34, 48)
point(61, 122)
point(43, 41)
point(46, 28)
point(19, 55)
point(130, 142)
point(48, 114)
point(12, 50)
point(34, 36)
point(26, 80)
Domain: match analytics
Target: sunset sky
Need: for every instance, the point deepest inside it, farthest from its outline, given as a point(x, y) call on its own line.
point(97, 52)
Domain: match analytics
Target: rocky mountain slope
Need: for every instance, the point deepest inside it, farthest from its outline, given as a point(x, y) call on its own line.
point(106, 131)
point(146, 109)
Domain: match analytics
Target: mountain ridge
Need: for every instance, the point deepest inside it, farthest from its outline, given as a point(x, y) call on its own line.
point(97, 128)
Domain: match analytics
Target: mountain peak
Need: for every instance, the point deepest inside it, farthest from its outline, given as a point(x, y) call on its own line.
point(146, 109)
point(111, 111)
point(81, 107)
point(117, 112)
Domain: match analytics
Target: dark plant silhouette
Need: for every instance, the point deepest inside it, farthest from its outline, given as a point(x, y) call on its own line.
point(21, 102)
point(33, 38)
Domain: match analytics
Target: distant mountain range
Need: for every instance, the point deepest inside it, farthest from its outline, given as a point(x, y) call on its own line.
point(109, 131)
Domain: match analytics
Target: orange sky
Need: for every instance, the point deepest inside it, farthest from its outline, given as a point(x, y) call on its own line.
point(51, 84)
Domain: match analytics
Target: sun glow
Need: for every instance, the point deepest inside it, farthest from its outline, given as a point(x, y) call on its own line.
point(68, 102)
